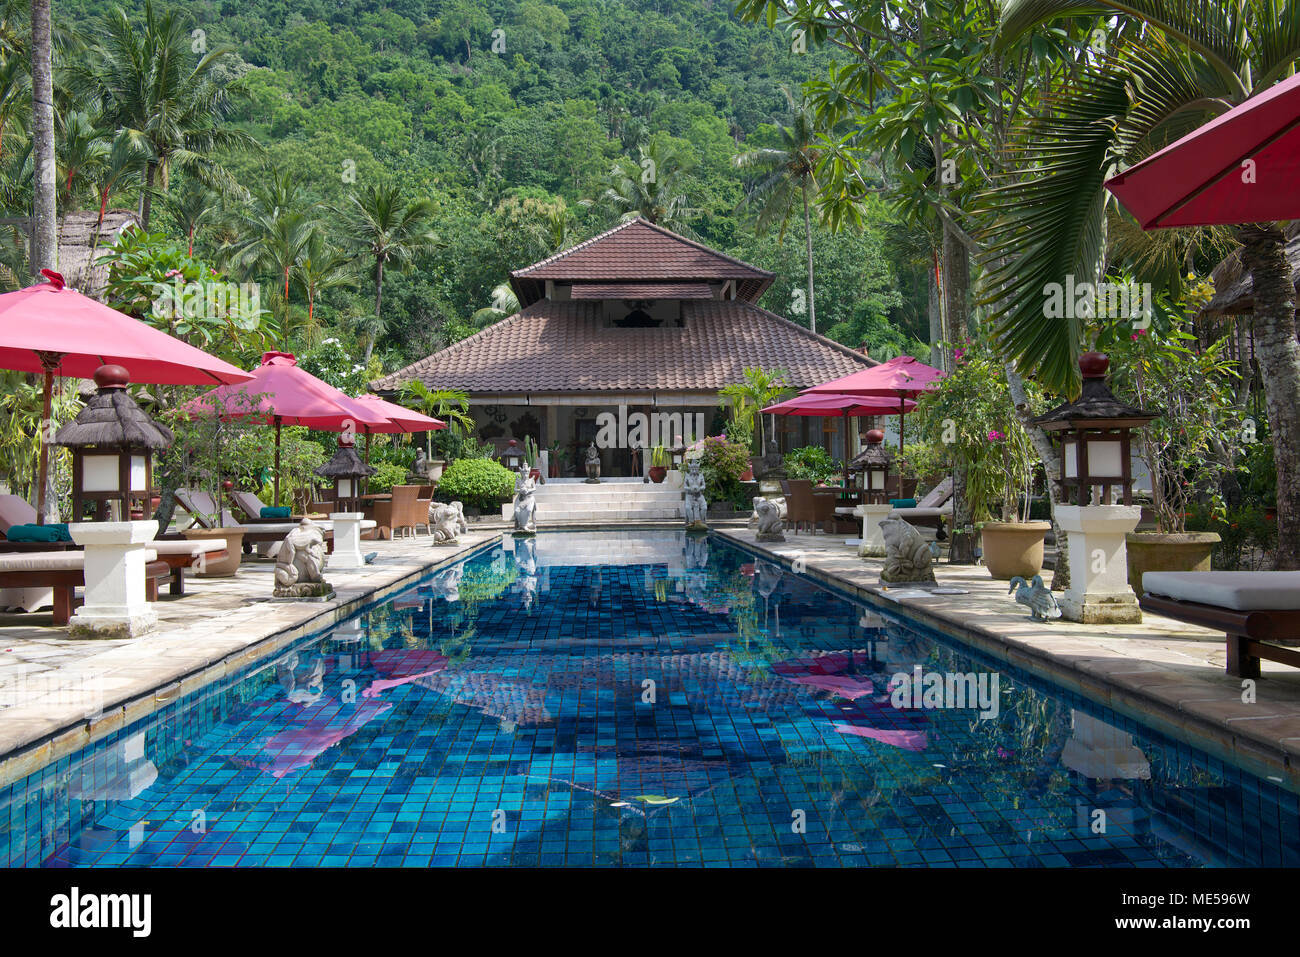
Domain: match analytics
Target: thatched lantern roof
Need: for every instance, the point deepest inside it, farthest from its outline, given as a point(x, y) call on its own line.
point(1096, 407)
point(345, 463)
point(874, 454)
point(112, 419)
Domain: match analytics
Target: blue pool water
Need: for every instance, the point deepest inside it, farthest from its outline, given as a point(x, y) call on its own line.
point(584, 699)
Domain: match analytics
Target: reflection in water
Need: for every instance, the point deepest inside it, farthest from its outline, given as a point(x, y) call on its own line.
point(670, 700)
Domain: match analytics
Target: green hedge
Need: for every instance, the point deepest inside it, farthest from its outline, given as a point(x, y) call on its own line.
point(478, 482)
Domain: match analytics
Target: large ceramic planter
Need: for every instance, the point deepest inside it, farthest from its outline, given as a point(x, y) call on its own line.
point(658, 473)
point(224, 567)
point(1161, 552)
point(1014, 549)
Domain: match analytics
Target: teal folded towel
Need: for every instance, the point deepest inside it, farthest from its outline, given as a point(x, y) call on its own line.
point(57, 532)
point(276, 511)
point(903, 502)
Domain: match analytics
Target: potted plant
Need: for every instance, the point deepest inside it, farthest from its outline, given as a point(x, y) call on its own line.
point(1163, 369)
point(659, 462)
point(533, 456)
point(970, 415)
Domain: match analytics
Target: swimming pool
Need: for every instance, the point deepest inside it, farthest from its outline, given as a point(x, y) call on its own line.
point(640, 698)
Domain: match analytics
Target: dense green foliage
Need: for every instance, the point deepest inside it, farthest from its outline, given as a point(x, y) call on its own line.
point(481, 483)
point(811, 462)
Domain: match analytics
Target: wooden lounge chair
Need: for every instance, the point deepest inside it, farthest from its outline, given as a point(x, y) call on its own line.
point(930, 511)
point(62, 571)
point(804, 505)
point(1251, 608)
point(200, 506)
point(252, 506)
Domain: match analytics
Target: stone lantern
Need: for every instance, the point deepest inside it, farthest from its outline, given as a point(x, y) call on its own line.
point(112, 441)
point(346, 470)
point(1094, 432)
point(871, 466)
point(1094, 435)
point(513, 456)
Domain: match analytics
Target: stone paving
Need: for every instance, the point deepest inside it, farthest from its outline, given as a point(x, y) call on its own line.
point(1167, 674)
point(58, 694)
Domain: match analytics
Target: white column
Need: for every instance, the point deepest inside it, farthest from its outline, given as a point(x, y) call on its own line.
point(1099, 592)
point(115, 558)
point(347, 541)
point(873, 540)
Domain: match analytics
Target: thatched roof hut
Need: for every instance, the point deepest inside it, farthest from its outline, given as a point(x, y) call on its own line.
point(79, 239)
point(112, 419)
point(1235, 287)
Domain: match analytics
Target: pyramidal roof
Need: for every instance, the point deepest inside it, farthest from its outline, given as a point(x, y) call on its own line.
point(640, 251)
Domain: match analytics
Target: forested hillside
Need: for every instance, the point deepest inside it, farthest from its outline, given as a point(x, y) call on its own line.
point(526, 124)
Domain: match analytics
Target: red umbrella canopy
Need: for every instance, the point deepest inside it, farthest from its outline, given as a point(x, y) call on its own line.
point(900, 376)
point(50, 328)
point(839, 405)
point(280, 392)
point(400, 418)
point(1240, 167)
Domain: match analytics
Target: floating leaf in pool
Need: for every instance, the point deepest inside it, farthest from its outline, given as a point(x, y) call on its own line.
point(620, 804)
point(654, 799)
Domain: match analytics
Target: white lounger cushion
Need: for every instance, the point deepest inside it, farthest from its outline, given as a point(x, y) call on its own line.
point(60, 561)
point(191, 548)
point(1239, 591)
point(943, 511)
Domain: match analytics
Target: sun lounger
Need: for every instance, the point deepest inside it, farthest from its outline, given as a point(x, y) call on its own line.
point(62, 572)
point(931, 510)
point(182, 555)
point(252, 506)
point(1251, 608)
point(200, 506)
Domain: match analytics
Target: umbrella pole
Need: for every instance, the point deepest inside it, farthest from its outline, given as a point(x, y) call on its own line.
point(844, 414)
point(900, 444)
point(277, 461)
point(45, 449)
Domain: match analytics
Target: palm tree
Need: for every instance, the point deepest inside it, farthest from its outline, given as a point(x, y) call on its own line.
point(274, 229)
point(450, 405)
point(144, 83)
point(189, 207)
point(321, 267)
point(45, 253)
point(1172, 64)
point(651, 189)
point(82, 152)
point(504, 305)
point(392, 232)
point(787, 179)
point(758, 389)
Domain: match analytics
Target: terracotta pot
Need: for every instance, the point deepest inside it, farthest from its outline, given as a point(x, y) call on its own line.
point(225, 567)
point(1014, 549)
point(658, 473)
point(1161, 552)
point(748, 474)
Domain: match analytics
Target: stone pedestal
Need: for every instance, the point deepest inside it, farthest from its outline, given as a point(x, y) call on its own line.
point(1099, 592)
point(873, 542)
point(347, 541)
point(115, 605)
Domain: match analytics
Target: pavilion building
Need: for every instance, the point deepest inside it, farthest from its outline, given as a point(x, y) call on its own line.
point(637, 328)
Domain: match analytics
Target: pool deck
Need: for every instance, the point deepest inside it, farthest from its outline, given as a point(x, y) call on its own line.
point(59, 694)
point(1166, 674)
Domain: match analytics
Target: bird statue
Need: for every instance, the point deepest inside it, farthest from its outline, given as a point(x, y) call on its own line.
point(1042, 603)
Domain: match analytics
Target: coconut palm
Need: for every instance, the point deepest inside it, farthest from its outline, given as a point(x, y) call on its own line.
point(758, 389)
point(392, 232)
point(190, 207)
point(504, 305)
point(1170, 66)
point(145, 81)
point(322, 266)
point(786, 182)
point(651, 188)
point(44, 183)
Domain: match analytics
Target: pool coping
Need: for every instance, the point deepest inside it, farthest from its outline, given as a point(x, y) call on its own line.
point(27, 753)
point(1262, 755)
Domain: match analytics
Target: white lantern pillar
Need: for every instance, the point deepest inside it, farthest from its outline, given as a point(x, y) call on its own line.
point(1099, 592)
point(116, 554)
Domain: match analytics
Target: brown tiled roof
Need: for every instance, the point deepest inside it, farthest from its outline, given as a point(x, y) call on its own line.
point(639, 250)
point(566, 347)
point(642, 290)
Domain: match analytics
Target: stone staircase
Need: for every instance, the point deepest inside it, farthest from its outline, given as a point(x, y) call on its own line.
point(613, 500)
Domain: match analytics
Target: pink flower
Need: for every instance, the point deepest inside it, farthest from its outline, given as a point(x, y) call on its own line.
point(995, 435)
point(1134, 337)
point(173, 272)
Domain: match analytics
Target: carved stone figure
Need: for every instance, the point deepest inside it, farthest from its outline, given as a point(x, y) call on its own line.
point(697, 552)
point(525, 502)
point(769, 515)
point(694, 507)
point(420, 469)
point(593, 465)
point(1037, 596)
point(299, 562)
point(447, 521)
point(767, 578)
point(907, 553)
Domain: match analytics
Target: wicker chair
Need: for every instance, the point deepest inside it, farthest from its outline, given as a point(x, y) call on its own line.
point(402, 511)
point(805, 506)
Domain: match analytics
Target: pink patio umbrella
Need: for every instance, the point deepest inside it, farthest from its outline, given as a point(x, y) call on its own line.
point(52, 330)
point(284, 394)
point(400, 419)
point(841, 405)
point(903, 377)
